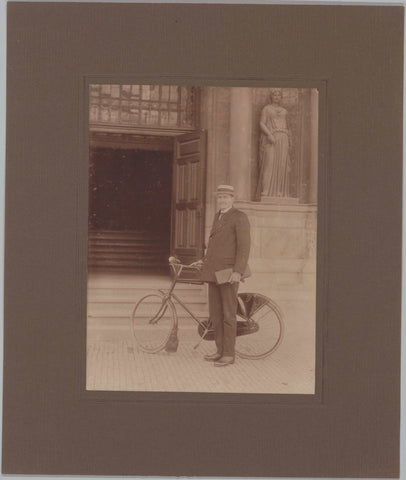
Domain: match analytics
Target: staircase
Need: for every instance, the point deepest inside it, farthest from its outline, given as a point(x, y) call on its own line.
point(136, 250)
point(112, 296)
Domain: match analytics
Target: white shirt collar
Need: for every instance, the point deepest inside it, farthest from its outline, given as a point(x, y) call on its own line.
point(222, 212)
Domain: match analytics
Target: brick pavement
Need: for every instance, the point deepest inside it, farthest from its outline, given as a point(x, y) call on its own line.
point(114, 361)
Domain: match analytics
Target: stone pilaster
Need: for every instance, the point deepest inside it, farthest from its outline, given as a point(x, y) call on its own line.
point(241, 141)
point(314, 126)
point(215, 118)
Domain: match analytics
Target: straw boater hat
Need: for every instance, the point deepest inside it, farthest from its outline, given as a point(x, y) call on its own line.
point(225, 189)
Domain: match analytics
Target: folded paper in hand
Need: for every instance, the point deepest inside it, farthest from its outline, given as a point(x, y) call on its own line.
point(223, 276)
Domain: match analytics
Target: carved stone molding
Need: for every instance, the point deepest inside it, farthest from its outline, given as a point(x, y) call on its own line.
point(130, 141)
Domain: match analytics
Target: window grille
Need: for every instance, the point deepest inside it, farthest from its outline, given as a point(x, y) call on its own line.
point(152, 106)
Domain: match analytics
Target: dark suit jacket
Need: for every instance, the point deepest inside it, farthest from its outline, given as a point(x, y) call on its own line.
point(229, 245)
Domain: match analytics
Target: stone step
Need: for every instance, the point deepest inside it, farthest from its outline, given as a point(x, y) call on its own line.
point(126, 295)
point(125, 256)
point(140, 263)
point(135, 243)
point(122, 234)
point(120, 310)
point(100, 296)
point(127, 250)
point(128, 243)
point(127, 280)
point(145, 249)
point(138, 258)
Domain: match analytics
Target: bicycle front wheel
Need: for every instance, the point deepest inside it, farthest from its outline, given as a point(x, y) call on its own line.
point(265, 328)
point(153, 320)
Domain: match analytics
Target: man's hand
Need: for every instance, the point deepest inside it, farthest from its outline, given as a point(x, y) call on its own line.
point(197, 264)
point(235, 277)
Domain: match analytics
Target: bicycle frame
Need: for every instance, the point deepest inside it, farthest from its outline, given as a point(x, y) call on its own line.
point(177, 269)
point(248, 304)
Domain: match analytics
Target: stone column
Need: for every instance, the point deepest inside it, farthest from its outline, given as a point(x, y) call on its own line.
point(215, 118)
point(208, 122)
point(314, 144)
point(240, 141)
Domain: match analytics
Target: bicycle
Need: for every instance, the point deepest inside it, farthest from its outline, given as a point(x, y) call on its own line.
point(260, 325)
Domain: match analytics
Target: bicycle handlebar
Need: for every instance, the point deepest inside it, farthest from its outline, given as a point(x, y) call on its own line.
point(177, 266)
point(174, 261)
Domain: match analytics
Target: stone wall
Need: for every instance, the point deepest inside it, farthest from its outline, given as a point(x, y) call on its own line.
point(283, 254)
point(283, 246)
point(284, 242)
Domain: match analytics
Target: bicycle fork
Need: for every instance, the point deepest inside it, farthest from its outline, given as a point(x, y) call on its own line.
point(172, 343)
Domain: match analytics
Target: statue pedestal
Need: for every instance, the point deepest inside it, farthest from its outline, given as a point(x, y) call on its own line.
point(283, 248)
point(279, 200)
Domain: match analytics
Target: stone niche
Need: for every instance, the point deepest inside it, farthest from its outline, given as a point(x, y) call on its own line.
point(231, 116)
point(301, 105)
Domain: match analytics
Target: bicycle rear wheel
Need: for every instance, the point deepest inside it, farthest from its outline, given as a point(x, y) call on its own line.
point(265, 327)
point(153, 320)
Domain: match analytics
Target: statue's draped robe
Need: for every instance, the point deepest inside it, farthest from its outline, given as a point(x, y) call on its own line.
point(274, 158)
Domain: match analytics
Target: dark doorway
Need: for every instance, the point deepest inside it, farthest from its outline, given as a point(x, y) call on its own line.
point(129, 208)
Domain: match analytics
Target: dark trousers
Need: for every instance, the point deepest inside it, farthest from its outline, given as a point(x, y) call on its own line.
point(223, 311)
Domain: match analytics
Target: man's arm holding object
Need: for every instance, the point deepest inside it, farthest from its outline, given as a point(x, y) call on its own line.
point(243, 240)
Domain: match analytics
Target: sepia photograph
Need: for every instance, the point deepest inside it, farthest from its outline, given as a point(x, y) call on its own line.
point(202, 239)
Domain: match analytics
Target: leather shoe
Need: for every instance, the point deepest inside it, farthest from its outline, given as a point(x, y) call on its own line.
point(224, 361)
point(213, 357)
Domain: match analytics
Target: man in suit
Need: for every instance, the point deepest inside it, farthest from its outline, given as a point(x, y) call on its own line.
point(229, 247)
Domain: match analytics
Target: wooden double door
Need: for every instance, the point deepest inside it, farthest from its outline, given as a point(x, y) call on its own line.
point(146, 200)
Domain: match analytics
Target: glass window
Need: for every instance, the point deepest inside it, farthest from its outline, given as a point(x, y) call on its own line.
point(158, 106)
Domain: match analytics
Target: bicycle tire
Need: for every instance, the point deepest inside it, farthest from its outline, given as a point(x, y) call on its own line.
point(153, 320)
point(268, 320)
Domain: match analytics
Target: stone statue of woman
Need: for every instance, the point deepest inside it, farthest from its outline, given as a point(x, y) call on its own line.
point(274, 162)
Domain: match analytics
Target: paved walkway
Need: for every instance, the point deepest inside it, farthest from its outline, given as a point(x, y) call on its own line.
point(114, 361)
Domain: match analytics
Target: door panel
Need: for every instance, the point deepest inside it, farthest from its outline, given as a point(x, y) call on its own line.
point(189, 186)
